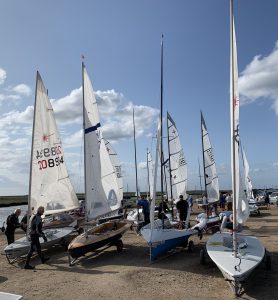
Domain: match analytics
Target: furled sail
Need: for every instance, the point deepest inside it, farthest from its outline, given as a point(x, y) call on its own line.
point(177, 161)
point(211, 178)
point(150, 173)
point(242, 208)
point(50, 185)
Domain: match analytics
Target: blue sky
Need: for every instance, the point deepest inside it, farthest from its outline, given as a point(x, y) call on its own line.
point(121, 43)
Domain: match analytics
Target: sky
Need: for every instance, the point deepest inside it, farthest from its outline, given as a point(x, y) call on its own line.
point(121, 44)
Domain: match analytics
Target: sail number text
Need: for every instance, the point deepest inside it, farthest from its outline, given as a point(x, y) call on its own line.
point(45, 157)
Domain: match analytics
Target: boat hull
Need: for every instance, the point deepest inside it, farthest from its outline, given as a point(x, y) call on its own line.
point(219, 249)
point(22, 246)
point(8, 296)
point(162, 240)
point(104, 234)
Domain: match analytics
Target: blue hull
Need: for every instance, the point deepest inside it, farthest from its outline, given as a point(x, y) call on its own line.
point(158, 249)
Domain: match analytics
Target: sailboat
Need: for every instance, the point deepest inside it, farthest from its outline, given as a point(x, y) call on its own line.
point(97, 167)
point(236, 255)
point(253, 208)
point(49, 183)
point(159, 234)
point(210, 179)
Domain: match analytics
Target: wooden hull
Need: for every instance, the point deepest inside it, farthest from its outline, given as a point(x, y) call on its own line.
point(97, 237)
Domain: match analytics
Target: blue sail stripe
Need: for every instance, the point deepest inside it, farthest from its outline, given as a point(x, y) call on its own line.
point(93, 128)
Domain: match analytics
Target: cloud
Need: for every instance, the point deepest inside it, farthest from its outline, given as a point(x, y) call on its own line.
point(3, 75)
point(259, 79)
point(14, 117)
point(22, 89)
point(115, 113)
point(142, 165)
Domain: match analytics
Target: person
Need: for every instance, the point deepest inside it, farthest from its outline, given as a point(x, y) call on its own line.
point(12, 223)
point(222, 201)
point(35, 227)
point(190, 202)
point(163, 208)
point(144, 203)
point(229, 201)
point(182, 207)
point(266, 199)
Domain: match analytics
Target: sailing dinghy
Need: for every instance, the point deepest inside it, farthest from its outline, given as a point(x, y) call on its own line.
point(49, 183)
point(159, 234)
point(101, 183)
point(236, 255)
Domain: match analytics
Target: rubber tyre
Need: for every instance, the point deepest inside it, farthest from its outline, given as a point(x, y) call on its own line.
point(119, 245)
point(267, 262)
point(203, 256)
point(190, 246)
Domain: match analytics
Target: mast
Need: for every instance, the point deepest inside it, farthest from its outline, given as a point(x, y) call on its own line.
point(204, 167)
point(161, 132)
point(149, 188)
point(233, 136)
point(31, 158)
point(200, 177)
point(135, 161)
point(170, 170)
point(84, 142)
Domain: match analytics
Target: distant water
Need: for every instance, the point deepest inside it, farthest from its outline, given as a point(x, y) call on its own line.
point(6, 211)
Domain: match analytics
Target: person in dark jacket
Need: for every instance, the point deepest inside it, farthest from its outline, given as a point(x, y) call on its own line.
point(144, 203)
point(163, 209)
point(182, 207)
point(35, 227)
point(12, 224)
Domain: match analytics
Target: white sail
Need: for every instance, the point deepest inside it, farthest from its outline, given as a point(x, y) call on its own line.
point(50, 185)
point(95, 193)
point(177, 161)
point(150, 173)
point(247, 180)
point(242, 208)
point(114, 199)
point(211, 178)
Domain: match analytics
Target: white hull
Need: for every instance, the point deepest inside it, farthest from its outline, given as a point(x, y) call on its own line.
point(8, 296)
point(22, 246)
point(219, 248)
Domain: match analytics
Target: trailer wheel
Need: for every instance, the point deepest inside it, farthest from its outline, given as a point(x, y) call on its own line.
point(203, 256)
point(119, 245)
point(267, 262)
point(190, 246)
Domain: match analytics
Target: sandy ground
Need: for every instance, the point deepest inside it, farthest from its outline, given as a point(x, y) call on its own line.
point(128, 275)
